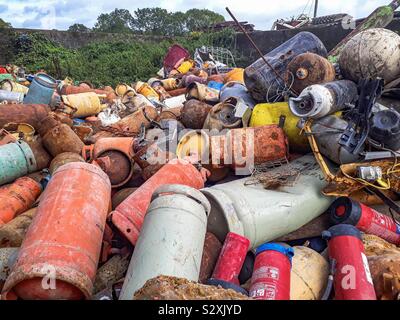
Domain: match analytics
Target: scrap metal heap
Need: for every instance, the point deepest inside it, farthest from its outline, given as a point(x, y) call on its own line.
point(207, 181)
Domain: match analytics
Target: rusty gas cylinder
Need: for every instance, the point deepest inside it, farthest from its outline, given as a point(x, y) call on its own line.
point(58, 137)
point(172, 113)
point(129, 215)
point(69, 89)
point(211, 251)
point(194, 113)
point(120, 196)
point(65, 237)
point(177, 92)
point(133, 122)
point(32, 114)
point(308, 69)
point(13, 233)
point(64, 158)
point(17, 198)
point(114, 156)
point(245, 148)
point(42, 157)
point(222, 116)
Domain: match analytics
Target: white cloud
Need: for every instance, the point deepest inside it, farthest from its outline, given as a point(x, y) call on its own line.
point(62, 13)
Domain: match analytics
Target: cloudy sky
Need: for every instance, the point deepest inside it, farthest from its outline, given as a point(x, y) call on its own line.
point(60, 14)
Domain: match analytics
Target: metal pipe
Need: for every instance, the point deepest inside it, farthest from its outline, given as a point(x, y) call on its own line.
point(316, 9)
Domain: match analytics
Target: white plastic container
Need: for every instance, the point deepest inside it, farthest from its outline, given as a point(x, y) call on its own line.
point(171, 240)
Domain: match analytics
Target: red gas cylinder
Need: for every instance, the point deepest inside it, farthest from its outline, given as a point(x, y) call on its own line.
point(18, 198)
point(59, 256)
point(347, 211)
point(352, 278)
point(271, 275)
point(129, 215)
point(230, 262)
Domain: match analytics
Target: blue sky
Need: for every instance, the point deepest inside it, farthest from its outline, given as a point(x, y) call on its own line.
point(60, 14)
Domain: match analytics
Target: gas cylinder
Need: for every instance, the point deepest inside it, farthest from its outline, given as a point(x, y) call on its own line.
point(158, 87)
point(243, 149)
point(128, 216)
point(114, 156)
point(202, 93)
point(271, 275)
point(273, 113)
point(171, 84)
point(122, 89)
point(178, 92)
point(70, 89)
point(235, 89)
point(84, 104)
point(309, 276)
point(42, 157)
point(17, 198)
point(188, 79)
point(256, 213)
point(194, 113)
point(64, 158)
point(352, 277)
point(120, 196)
point(133, 122)
point(16, 160)
point(75, 205)
point(13, 233)
point(230, 262)
point(171, 240)
point(236, 74)
point(32, 114)
point(13, 86)
point(211, 251)
point(144, 89)
point(320, 100)
point(186, 66)
point(308, 69)
point(385, 128)
point(58, 137)
point(261, 80)
point(327, 132)
point(41, 89)
point(371, 53)
point(222, 116)
point(347, 211)
point(10, 96)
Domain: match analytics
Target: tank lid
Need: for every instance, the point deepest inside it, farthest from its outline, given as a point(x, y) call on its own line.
point(344, 211)
point(288, 252)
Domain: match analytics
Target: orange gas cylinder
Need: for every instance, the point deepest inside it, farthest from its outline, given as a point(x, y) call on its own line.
point(18, 198)
point(129, 215)
point(59, 256)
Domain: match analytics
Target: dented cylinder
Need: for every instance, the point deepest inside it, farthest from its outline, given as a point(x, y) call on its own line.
point(11, 96)
point(308, 69)
point(194, 113)
point(70, 248)
point(171, 84)
point(17, 198)
point(222, 116)
point(32, 114)
point(16, 160)
point(13, 233)
point(202, 93)
point(84, 104)
point(320, 100)
point(129, 215)
point(59, 138)
point(172, 238)
point(133, 122)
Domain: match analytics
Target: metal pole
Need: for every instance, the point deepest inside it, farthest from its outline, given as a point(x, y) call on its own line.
point(316, 9)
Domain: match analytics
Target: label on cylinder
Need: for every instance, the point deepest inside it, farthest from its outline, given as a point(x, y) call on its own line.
point(263, 291)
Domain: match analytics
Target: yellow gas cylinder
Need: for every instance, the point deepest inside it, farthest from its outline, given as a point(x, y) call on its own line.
point(186, 66)
point(270, 113)
point(198, 142)
point(144, 89)
point(123, 88)
point(309, 275)
point(236, 74)
point(86, 104)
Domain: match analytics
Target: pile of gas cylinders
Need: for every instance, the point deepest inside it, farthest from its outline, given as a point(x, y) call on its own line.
point(266, 182)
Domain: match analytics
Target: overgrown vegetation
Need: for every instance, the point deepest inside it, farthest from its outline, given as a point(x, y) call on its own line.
point(106, 63)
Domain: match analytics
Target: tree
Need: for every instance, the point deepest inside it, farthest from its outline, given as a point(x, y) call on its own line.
point(118, 21)
point(4, 25)
point(78, 27)
point(151, 21)
point(199, 19)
